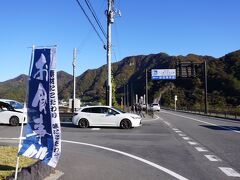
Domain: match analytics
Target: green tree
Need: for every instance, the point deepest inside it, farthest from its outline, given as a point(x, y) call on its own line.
point(114, 99)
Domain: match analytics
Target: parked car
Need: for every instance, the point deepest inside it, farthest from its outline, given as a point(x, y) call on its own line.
point(155, 107)
point(15, 104)
point(105, 116)
point(10, 115)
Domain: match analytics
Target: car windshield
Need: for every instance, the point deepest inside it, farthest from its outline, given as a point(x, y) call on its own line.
point(119, 110)
point(16, 105)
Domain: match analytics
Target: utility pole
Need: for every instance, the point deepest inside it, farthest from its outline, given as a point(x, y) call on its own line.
point(74, 79)
point(110, 20)
point(205, 80)
point(127, 97)
point(124, 99)
point(131, 95)
point(146, 101)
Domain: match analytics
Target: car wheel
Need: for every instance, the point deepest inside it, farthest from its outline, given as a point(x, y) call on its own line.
point(83, 123)
point(14, 121)
point(125, 124)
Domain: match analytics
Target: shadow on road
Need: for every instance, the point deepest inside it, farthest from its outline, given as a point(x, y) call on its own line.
point(225, 128)
point(68, 125)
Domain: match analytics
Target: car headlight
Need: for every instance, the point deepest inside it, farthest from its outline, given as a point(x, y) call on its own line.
point(136, 117)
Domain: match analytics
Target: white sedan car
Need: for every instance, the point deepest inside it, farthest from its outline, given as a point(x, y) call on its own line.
point(8, 115)
point(155, 107)
point(105, 116)
point(15, 104)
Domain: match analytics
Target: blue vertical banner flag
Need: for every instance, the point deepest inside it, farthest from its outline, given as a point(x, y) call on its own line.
point(42, 134)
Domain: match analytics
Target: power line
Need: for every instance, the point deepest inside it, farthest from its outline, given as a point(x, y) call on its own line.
point(117, 50)
point(95, 17)
point(90, 21)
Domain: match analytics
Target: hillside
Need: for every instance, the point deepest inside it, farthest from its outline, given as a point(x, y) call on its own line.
point(223, 81)
point(16, 88)
point(129, 78)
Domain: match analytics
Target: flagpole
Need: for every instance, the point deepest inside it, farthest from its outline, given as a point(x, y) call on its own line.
point(24, 111)
point(19, 146)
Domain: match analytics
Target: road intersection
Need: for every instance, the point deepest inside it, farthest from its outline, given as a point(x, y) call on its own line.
point(170, 146)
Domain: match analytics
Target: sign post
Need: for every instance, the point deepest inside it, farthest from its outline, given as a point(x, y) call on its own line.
point(175, 100)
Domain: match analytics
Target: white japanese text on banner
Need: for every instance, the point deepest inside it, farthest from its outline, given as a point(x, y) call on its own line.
point(42, 132)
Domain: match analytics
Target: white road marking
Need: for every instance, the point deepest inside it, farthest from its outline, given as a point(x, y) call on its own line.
point(175, 129)
point(171, 173)
point(9, 138)
point(182, 134)
point(192, 143)
point(95, 129)
point(167, 123)
point(194, 119)
point(186, 138)
point(155, 118)
point(200, 149)
point(229, 171)
point(212, 158)
point(178, 131)
point(66, 122)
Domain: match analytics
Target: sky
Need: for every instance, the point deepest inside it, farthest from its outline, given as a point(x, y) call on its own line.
point(175, 27)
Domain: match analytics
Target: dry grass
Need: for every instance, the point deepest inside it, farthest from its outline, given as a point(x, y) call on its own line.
point(8, 159)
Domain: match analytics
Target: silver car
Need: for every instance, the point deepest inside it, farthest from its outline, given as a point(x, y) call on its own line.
point(105, 116)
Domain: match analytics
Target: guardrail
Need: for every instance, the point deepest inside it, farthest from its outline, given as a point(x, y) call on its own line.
point(232, 115)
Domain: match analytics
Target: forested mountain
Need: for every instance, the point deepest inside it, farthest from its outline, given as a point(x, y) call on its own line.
point(129, 77)
point(16, 88)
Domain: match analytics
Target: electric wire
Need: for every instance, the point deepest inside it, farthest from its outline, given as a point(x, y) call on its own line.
point(90, 7)
point(117, 49)
point(79, 4)
point(95, 17)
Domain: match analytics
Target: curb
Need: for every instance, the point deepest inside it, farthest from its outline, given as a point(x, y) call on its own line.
point(37, 171)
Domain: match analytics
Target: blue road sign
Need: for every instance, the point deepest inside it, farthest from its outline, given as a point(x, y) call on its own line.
point(163, 74)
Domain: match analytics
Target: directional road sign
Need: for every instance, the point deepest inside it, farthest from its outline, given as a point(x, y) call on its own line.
point(163, 74)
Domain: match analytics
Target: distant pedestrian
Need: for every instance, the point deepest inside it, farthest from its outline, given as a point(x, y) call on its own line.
point(132, 109)
point(140, 111)
point(136, 108)
point(152, 113)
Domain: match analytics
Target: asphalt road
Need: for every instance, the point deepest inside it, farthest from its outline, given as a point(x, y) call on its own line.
point(170, 146)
